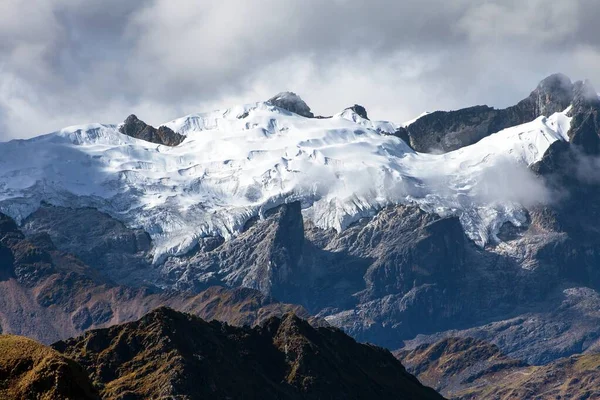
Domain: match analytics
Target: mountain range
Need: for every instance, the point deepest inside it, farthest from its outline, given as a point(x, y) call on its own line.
point(475, 227)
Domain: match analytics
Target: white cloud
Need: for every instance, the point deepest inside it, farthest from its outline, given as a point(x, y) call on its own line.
point(73, 61)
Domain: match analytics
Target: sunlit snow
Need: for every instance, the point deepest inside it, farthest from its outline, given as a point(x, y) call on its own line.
point(237, 163)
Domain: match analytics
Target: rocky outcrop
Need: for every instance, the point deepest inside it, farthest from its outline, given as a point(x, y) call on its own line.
point(291, 102)
point(117, 252)
point(264, 257)
point(138, 129)
point(29, 370)
point(169, 354)
point(585, 125)
point(359, 110)
point(444, 131)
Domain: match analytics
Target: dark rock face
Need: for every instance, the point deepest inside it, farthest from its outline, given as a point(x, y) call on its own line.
point(553, 94)
point(564, 324)
point(359, 110)
point(444, 131)
point(119, 253)
point(585, 126)
point(264, 257)
point(138, 129)
point(21, 258)
point(184, 356)
point(291, 102)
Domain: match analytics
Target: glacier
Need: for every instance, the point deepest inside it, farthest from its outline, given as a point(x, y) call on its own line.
point(237, 163)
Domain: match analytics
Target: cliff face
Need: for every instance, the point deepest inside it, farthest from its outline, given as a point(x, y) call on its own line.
point(444, 131)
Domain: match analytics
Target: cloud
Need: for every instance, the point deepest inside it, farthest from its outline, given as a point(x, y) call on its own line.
point(74, 61)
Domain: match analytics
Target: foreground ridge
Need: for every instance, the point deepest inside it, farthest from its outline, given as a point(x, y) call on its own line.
point(167, 353)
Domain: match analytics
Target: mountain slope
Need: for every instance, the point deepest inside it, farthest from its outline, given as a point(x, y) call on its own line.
point(29, 370)
point(48, 294)
point(169, 354)
point(472, 369)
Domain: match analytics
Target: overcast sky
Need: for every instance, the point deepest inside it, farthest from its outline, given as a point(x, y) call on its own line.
point(65, 62)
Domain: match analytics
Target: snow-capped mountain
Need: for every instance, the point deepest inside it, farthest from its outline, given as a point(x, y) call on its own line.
point(269, 197)
point(236, 163)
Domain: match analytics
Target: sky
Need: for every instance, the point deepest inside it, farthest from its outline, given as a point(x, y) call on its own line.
point(67, 62)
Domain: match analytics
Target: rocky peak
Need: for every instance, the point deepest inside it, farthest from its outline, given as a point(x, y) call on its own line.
point(553, 94)
point(138, 129)
point(359, 110)
point(444, 131)
point(292, 102)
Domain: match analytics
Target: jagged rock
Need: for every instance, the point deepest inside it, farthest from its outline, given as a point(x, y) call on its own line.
point(119, 253)
point(169, 354)
point(585, 125)
point(23, 260)
point(290, 101)
point(444, 131)
point(264, 257)
point(359, 110)
point(553, 94)
point(138, 129)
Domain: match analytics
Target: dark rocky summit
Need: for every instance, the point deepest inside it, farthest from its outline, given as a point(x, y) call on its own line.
point(444, 131)
point(167, 354)
point(138, 129)
point(291, 102)
point(359, 110)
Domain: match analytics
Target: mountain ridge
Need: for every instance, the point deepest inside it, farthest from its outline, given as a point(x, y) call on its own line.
point(518, 268)
point(258, 156)
point(167, 353)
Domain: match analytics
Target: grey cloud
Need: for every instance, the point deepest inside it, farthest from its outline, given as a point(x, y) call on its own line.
point(73, 61)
